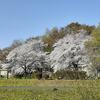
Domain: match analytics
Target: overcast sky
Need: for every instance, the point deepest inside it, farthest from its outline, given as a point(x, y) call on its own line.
point(20, 19)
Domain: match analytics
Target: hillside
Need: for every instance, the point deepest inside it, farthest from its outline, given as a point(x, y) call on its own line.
point(58, 49)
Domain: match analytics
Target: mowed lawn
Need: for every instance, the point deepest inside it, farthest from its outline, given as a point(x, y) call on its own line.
point(30, 89)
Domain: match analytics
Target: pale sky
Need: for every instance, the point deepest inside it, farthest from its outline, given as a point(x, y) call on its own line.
point(21, 19)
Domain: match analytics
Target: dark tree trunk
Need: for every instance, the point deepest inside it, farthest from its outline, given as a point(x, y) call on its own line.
point(25, 72)
point(7, 74)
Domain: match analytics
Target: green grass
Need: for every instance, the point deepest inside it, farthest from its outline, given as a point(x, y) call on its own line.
point(29, 89)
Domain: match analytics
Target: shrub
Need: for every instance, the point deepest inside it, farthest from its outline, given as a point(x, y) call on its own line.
point(38, 75)
point(68, 74)
point(76, 27)
point(19, 76)
point(45, 76)
point(33, 75)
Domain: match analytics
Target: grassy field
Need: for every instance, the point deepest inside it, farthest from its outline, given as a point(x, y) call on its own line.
point(29, 89)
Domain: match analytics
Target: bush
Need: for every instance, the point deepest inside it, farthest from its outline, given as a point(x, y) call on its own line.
point(19, 76)
point(67, 74)
point(76, 27)
point(48, 49)
point(38, 75)
point(45, 76)
point(33, 75)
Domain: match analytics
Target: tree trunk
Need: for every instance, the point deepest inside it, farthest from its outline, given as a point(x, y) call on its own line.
point(25, 72)
point(7, 74)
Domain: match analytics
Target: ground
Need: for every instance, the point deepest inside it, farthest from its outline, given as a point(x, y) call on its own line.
point(30, 89)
